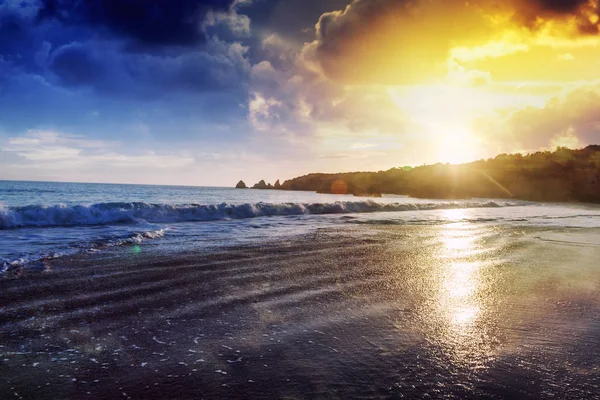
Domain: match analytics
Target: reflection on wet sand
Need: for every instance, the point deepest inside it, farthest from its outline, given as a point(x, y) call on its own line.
point(461, 291)
point(459, 310)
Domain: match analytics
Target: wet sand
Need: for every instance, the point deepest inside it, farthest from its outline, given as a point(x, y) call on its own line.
point(450, 311)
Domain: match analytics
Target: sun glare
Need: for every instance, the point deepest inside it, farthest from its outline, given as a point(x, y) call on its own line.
point(455, 146)
point(446, 111)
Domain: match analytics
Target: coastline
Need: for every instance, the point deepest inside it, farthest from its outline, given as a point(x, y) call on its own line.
point(564, 175)
point(460, 310)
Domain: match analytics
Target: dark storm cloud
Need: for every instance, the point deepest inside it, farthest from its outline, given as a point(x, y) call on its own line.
point(16, 36)
point(218, 66)
point(88, 44)
point(531, 12)
point(144, 22)
point(559, 6)
point(76, 65)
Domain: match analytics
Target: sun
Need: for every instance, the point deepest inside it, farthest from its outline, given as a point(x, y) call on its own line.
point(455, 146)
point(445, 114)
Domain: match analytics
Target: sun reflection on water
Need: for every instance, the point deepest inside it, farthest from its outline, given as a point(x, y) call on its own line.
point(459, 294)
point(460, 290)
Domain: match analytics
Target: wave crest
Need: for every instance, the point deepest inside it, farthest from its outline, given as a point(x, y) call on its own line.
point(138, 212)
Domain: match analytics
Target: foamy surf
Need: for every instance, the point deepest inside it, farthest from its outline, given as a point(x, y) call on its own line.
point(77, 248)
point(140, 212)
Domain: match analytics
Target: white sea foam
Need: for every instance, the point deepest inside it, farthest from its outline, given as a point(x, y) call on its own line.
point(136, 238)
point(138, 212)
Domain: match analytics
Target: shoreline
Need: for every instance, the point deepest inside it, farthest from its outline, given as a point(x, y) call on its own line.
point(461, 310)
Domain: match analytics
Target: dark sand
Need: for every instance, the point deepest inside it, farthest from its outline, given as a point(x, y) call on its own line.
point(451, 311)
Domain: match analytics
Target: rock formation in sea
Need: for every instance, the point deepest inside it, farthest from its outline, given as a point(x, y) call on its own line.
point(241, 185)
point(267, 186)
point(260, 185)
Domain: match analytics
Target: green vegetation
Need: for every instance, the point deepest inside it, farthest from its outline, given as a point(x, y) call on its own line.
point(562, 175)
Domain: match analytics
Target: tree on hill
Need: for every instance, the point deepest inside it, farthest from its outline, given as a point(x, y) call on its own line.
point(562, 175)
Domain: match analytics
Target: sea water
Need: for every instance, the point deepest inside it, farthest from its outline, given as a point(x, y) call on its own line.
point(48, 220)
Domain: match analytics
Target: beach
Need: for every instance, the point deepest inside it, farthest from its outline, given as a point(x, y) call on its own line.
point(293, 199)
point(452, 310)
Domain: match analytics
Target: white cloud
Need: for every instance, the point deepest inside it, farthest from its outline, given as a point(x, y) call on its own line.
point(57, 156)
point(52, 138)
point(569, 120)
point(238, 24)
point(57, 151)
point(262, 111)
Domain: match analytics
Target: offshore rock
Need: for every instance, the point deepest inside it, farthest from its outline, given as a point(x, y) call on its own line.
point(260, 185)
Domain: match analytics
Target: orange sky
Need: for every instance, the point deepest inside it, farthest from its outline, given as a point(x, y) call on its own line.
point(467, 79)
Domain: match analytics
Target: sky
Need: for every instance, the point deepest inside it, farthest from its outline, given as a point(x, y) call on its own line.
point(208, 92)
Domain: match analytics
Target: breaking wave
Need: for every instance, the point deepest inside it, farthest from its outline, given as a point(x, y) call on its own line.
point(138, 212)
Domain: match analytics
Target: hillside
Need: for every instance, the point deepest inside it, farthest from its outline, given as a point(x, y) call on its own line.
point(562, 175)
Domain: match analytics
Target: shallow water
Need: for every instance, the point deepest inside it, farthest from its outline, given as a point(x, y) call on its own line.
point(453, 310)
point(45, 220)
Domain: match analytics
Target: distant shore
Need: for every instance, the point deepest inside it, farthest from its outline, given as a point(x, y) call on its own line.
point(564, 175)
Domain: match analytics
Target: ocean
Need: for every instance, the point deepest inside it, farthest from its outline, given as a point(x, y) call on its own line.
point(46, 220)
point(140, 291)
